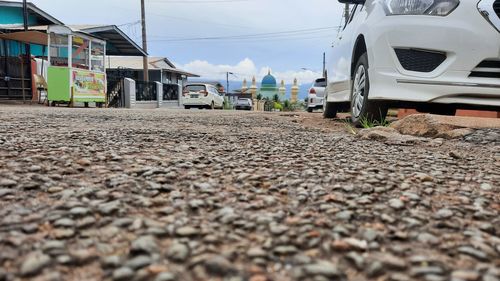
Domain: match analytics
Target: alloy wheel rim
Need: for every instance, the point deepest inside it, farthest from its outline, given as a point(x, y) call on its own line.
point(359, 95)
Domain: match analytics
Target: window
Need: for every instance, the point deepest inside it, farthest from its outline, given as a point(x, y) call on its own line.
point(80, 47)
point(58, 50)
point(320, 83)
point(97, 56)
point(2, 48)
point(195, 88)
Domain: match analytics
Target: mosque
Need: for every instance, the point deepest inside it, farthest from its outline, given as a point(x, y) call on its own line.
point(269, 89)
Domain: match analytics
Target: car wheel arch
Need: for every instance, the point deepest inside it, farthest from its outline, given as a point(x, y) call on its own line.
point(358, 50)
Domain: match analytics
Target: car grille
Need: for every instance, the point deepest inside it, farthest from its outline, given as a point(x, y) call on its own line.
point(487, 69)
point(420, 60)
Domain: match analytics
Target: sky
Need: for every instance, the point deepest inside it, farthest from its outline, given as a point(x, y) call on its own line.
point(246, 37)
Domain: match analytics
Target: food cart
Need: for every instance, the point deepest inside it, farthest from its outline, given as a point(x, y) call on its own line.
point(76, 71)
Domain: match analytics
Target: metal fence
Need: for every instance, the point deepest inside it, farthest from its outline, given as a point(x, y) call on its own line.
point(146, 91)
point(170, 92)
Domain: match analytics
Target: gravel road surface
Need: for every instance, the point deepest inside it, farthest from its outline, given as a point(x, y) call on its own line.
point(94, 194)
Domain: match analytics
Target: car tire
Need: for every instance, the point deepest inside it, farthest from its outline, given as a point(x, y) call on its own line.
point(187, 107)
point(310, 109)
point(212, 106)
point(362, 108)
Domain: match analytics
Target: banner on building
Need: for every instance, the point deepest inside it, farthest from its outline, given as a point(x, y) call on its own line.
point(89, 85)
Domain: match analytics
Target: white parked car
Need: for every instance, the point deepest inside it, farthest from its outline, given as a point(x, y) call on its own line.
point(432, 55)
point(243, 104)
point(316, 95)
point(202, 96)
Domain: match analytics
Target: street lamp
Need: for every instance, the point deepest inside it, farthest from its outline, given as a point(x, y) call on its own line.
point(227, 81)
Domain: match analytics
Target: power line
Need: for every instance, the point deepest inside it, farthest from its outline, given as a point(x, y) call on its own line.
point(256, 35)
point(196, 1)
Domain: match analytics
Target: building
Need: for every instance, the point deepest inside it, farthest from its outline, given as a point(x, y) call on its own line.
point(269, 88)
point(24, 53)
point(160, 70)
point(15, 66)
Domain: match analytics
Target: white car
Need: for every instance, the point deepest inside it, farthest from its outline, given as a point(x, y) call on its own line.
point(316, 95)
point(243, 104)
point(202, 96)
point(432, 55)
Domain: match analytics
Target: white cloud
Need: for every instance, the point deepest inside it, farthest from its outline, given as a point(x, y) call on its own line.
point(246, 69)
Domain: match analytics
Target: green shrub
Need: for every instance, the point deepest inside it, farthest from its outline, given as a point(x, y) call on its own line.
point(278, 106)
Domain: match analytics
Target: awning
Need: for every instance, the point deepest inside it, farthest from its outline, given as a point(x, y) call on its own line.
point(118, 43)
point(30, 37)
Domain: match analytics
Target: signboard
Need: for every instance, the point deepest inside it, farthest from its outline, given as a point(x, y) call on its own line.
point(88, 85)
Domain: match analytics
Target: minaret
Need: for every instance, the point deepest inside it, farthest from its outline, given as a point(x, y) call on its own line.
point(253, 91)
point(253, 88)
point(295, 91)
point(244, 87)
point(282, 90)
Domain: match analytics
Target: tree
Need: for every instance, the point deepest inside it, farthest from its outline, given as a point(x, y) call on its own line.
point(287, 105)
point(276, 98)
point(259, 97)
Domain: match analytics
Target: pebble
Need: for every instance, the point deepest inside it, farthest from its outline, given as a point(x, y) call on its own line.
point(165, 276)
point(178, 252)
point(6, 191)
point(79, 211)
point(473, 253)
point(34, 263)
point(323, 268)
point(464, 275)
point(144, 244)
point(187, 231)
point(219, 266)
point(7, 183)
point(396, 204)
point(224, 195)
point(64, 223)
point(444, 214)
point(138, 262)
point(123, 274)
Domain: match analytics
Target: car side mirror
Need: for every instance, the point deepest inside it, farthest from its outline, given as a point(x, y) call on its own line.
point(354, 2)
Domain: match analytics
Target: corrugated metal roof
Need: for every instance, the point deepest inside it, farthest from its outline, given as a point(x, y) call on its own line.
point(120, 43)
point(136, 63)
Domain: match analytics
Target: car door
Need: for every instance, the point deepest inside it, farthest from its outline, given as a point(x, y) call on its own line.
point(339, 65)
point(217, 98)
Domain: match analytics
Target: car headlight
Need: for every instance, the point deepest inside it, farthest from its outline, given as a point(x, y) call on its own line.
point(421, 7)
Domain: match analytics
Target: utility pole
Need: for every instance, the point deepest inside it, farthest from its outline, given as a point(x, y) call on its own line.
point(227, 81)
point(346, 13)
point(25, 14)
point(27, 47)
point(324, 65)
point(144, 42)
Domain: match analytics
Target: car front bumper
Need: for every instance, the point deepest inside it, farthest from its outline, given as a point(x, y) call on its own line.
point(465, 37)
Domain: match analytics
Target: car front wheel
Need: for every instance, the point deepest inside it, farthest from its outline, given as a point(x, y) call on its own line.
point(362, 108)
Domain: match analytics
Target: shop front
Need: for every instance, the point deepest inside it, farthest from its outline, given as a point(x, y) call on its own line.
point(76, 72)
